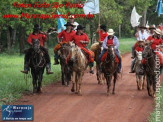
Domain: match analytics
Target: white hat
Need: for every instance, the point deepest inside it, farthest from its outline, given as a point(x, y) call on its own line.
point(110, 32)
point(147, 26)
point(158, 31)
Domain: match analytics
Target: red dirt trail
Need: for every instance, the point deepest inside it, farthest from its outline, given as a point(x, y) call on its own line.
point(58, 104)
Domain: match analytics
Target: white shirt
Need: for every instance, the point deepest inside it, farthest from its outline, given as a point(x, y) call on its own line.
point(75, 23)
point(142, 36)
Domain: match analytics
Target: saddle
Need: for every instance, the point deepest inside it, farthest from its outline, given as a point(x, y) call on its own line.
point(89, 54)
point(104, 57)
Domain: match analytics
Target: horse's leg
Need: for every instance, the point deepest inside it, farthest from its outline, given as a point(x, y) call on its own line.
point(108, 80)
point(137, 81)
point(143, 81)
point(80, 82)
point(154, 87)
point(73, 82)
point(34, 81)
point(148, 85)
point(97, 73)
point(76, 81)
point(115, 78)
point(40, 76)
point(63, 82)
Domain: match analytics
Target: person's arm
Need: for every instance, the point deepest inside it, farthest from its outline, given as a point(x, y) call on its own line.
point(86, 41)
point(59, 36)
point(116, 42)
point(29, 40)
point(104, 44)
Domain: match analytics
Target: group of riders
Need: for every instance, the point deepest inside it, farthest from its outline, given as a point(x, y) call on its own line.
point(75, 33)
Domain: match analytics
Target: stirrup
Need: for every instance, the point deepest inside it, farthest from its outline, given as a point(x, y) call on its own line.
point(26, 72)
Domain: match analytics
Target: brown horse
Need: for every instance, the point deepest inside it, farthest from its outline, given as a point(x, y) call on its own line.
point(79, 65)
point(150, 68)
point(109, 68)
point(139, 70)
point(96, 48)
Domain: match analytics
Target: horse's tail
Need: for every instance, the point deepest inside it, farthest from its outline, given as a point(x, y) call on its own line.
point(94, 46)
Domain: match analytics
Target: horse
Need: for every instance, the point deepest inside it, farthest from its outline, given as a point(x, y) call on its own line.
point(96, 48)
point(109, 68)
point(79, 65)
point(139, 70)
point(37, 64)
point(150, 68)
point(65, 69)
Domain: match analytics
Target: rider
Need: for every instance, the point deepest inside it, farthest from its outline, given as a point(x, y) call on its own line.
point(102, 33)
point(37, 34)
point(81, 40)
point(111, 39)
point(67, 36)
point(72, 21)
point(155, 39)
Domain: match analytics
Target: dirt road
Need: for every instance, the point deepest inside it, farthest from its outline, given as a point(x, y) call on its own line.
point(58, 104)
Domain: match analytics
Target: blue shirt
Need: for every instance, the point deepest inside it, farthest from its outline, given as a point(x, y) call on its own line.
point(115, 42)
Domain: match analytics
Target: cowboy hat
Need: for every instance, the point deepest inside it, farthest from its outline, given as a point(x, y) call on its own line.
point(37, 27)
point(158, 31)
point(80, 27)
point(103, 27)
point(110, 32)
point(152, 27)
point(68, 24)
point(71, 17)
point(73, 24)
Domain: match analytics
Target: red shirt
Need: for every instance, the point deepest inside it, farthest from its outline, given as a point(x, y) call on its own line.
point(110, 42)
point(137, 48)
point(155, 42)
point(66, 36)
point(40, 36)
point(77, 38)
point(102, 36)
point(161, 28)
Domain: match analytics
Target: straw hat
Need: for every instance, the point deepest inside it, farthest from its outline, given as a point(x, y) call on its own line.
point(110, 32)
point(158, 31)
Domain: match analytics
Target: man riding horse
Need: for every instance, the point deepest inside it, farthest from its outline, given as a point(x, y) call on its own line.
point(81, 40)
point(66, 36)
point(37, 35)
point(111, 40)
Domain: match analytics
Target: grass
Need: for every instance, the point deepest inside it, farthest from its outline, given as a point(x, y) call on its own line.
point(12, 83)
point(152, 117)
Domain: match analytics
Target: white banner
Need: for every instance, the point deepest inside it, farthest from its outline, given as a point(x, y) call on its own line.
point(91, 6)
point(135, 18)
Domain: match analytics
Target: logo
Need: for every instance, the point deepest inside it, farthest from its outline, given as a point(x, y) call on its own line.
point(17, 112)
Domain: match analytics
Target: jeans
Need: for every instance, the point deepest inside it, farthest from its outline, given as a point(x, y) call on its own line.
point(133, 51)
point(132, 64)
point(56, 56)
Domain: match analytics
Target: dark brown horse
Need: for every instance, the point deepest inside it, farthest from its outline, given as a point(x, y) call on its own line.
point(109, 68)
point(65, 69)
point(150, 68)
point(96, 48)
point(37, 64)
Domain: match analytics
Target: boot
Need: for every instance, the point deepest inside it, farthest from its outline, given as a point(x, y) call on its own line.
point(91, 70)
point(48, 69)
point(56, 62)
point(26, 68)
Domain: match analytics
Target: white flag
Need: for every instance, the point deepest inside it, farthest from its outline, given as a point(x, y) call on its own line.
point(135, 18)
point(91, 6)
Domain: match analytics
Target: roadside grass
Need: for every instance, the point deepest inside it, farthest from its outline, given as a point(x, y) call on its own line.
point(12, 82)
point(152, 117)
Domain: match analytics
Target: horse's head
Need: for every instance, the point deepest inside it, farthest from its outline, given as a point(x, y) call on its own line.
point(73, 51)
point(36, 44)
point(111, 51)
point(64, 50)
point(147, 50)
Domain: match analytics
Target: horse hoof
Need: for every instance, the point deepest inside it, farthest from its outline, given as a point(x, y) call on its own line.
point(72, 90)
point(113, 93)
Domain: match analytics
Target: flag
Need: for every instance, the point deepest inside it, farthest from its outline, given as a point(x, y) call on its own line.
point(159, 7)
point(135, 18)
point(91, 6)
point(61, 23)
